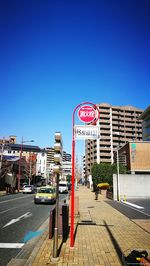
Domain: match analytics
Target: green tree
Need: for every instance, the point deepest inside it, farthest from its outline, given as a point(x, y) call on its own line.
point(68, 178)
point(103, 172)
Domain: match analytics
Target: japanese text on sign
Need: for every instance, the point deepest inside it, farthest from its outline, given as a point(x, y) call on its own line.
point(87, 113)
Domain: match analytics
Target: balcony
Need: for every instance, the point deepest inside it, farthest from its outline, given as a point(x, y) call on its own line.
point(104, 126)
point(105, 160)
point(106, 155)
point(105, 121)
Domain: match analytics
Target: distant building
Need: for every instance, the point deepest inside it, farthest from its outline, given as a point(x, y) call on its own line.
point(66, 169)
point(41, 164)
point(50, 161)
point(135, 156)
point(10, 139)
point(118, 125)
point(29, 161)
point(145, 116)
point(66, 157)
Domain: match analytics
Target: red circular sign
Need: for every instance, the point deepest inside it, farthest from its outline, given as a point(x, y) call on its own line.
point(87, 113)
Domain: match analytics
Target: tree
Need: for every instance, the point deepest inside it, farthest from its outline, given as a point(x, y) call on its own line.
point(68, 178)
point(103, 172)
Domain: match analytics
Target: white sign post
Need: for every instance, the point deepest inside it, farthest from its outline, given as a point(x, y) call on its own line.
point(86, 132)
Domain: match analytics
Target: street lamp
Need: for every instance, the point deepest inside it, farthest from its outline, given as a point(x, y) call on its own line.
point(19, 170)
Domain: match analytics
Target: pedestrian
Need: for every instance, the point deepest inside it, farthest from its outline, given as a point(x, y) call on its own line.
point(96, 190)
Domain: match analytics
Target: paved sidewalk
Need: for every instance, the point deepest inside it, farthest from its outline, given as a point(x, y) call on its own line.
point(100, 242)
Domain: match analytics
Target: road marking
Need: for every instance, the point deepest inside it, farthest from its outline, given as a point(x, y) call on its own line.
point(15, 199)
point(133, 205)
point(137, 210)
point(24, 216)
point(8, 210)
point(31, 234)
point(11, 245)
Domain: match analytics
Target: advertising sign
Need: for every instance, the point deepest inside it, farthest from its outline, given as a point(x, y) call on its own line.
point(87, 113)
point(86, 132)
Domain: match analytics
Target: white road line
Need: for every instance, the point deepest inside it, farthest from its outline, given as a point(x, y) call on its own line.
point(14, 199)
point(8, 210)
point(133, 205)
point(138, 210)
point(11, 245)
point(24, 216)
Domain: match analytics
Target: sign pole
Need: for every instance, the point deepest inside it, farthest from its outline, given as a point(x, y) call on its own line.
point(72, 196)
point(73, 169)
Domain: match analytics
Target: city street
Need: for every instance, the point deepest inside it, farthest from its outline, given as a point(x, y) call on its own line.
point(20, 219)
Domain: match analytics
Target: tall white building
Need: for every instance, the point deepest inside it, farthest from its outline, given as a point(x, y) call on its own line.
point(41, 164)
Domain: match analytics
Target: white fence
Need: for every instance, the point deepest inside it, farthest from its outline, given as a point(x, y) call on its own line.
point(131, 186)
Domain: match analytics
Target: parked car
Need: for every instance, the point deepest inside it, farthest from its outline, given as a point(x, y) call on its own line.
point(28, 189)
point(23, 184)
point(63, 187)
point(45, 194)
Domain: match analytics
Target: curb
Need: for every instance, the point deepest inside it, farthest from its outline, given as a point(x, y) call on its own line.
point(28, 253)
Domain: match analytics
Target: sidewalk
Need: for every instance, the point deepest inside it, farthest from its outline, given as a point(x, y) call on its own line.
point(102, 235)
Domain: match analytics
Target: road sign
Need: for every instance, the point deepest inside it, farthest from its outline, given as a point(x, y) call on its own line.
point(86, 132)
point(87, 113)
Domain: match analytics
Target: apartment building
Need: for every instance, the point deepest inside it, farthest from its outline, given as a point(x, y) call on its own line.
point(145, 116)
point(118, 125)
point(50, 159)
point(66, 157)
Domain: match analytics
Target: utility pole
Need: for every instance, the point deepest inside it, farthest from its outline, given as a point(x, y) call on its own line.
point(2, 150)
point(57, 171)
point(30, 171)
point(118, 181)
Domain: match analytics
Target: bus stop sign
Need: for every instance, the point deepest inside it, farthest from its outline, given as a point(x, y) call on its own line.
point(87, 113)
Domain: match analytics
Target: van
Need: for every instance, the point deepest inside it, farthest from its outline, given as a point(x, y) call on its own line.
point(63, 187)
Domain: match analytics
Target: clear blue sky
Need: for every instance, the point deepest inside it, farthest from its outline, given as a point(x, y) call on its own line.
point(55, 54)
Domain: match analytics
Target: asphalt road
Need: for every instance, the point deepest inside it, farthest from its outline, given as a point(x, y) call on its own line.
point(20, 219)
point(133, 210)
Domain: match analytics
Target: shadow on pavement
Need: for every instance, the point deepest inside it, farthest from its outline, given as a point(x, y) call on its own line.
point(114, 242)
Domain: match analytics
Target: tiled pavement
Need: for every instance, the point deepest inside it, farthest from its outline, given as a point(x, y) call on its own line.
point(100, 243)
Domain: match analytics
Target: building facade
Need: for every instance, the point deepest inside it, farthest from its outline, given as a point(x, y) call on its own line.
point(10, 139)
point(66, 169)
point(135, 156)
point(145, 116)
point(41, 164)
point(118, 125)
point(50, 162)
point(66, 157)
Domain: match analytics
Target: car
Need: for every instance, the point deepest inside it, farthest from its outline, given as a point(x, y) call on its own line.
point(28, 189)
point(63, 187)
point(45, 194)
point(22, 185)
